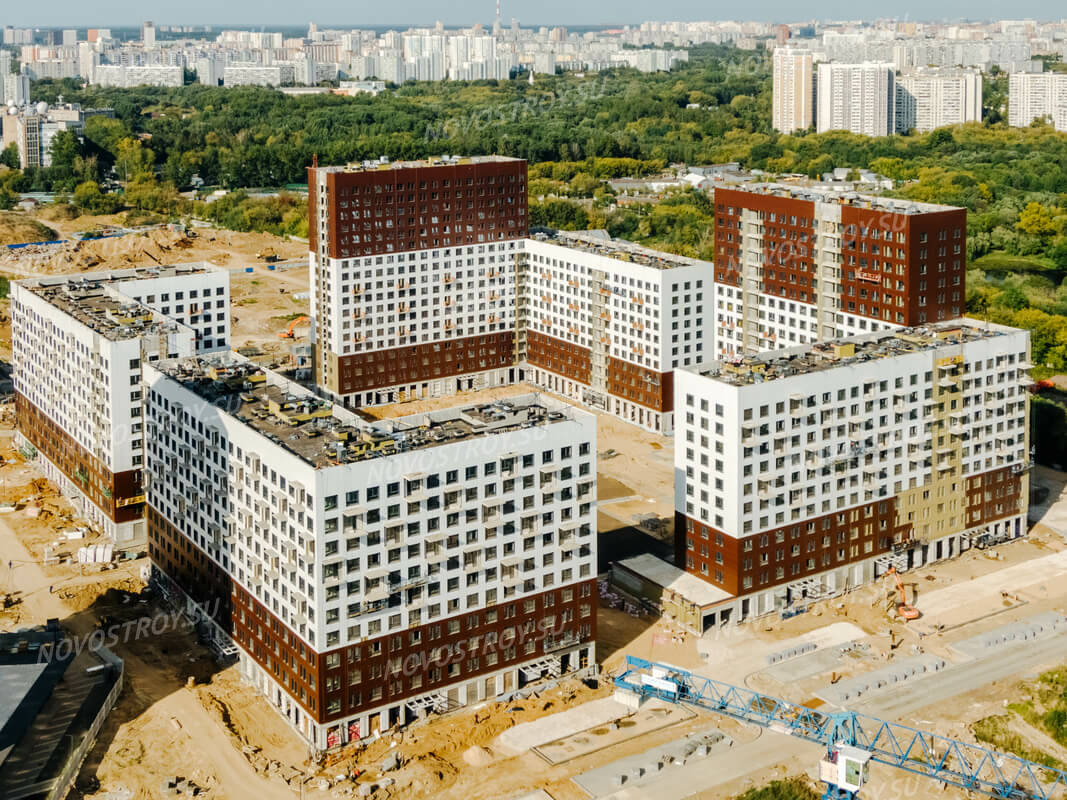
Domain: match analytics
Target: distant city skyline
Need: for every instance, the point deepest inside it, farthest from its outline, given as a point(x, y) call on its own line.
point(247, 13)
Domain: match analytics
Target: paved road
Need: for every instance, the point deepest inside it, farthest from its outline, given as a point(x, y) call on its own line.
point(958, 679)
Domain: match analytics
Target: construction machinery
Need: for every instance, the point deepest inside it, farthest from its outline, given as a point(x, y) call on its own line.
point(852, 741)
point(269, 255)
point(904, 611)
point(288, 332)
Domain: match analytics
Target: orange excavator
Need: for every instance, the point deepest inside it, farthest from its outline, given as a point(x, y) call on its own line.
point(904, 611)
point(288, 332)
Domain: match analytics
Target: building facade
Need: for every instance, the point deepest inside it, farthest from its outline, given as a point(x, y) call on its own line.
point(933, 98)
point(800, 265)
point(369, 572)
point(794, 90)
point(812, 471)
point(606, 322)
point(78, 347)
point(1040, 95)
point(859, 98)
point(413, 275)
point(125, 76)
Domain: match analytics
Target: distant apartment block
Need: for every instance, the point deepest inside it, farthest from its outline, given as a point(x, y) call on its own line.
point(126, 77)
point(78, 347)
point(933, 98)
point(370, 572)
point(797, 265)
point(258, 75)
point(1033, 96)
point(814, 470)
point(860, 98)
point(413, 275)
point(793, 106)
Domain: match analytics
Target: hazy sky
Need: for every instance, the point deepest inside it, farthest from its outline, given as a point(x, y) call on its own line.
point(402, 13)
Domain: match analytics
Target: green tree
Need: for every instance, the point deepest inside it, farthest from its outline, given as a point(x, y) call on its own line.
point(1013, 298)
point(88, 197)
point(65, 151)
point(10, 156)
point(1036, 220)
point(133, 161)
point(792, 789)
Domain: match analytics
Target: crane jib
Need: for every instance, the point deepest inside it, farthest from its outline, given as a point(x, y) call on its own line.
point(967, 766)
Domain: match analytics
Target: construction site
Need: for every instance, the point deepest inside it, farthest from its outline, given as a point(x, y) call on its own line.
point(969, 648)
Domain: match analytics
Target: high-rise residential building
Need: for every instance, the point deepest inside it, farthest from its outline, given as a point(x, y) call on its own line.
point(78, 347)
point(16, 88)
point(1038, 95)
point(794, 90)
point(371, 571)
point(148, 35)
point(70, 37)
point(413, 275)
point(127, 77)
point(814, 470)
point(237, 74)
point(606, 322)
point(797, 265)
point(860, 98)
point(933, 98)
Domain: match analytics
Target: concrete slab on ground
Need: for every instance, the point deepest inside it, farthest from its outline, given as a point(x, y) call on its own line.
point(645, 768)
point(806, 666)
point(651, 717)
point(726, 646)
point(700, 775)
point(967, 600)
point(529, 735)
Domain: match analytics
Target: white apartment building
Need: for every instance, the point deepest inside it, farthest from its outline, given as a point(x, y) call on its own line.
point(1037, 96)
point(376, 570)
point(933, 98)
point(126, 77)
point(860, 98)
point(16, 88)
point(794, 90)
point(811, 471)
point(258, 75)
point(78, 345)
point(606, 322)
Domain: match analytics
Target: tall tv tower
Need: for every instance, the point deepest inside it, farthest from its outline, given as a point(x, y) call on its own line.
point(496, 24)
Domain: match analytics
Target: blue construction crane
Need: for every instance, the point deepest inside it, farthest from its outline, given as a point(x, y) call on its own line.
point(852, 740)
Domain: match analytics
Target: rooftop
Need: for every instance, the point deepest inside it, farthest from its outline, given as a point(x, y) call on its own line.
point(600, 243)
point(96, 300)
point(383, 163)
point(326, 435)
point(693, 589)
point(775, 365)
point(823, 194)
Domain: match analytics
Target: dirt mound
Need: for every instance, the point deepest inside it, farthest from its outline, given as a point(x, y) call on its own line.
point(16, 228)
point(477, 756)
point(426, 776)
